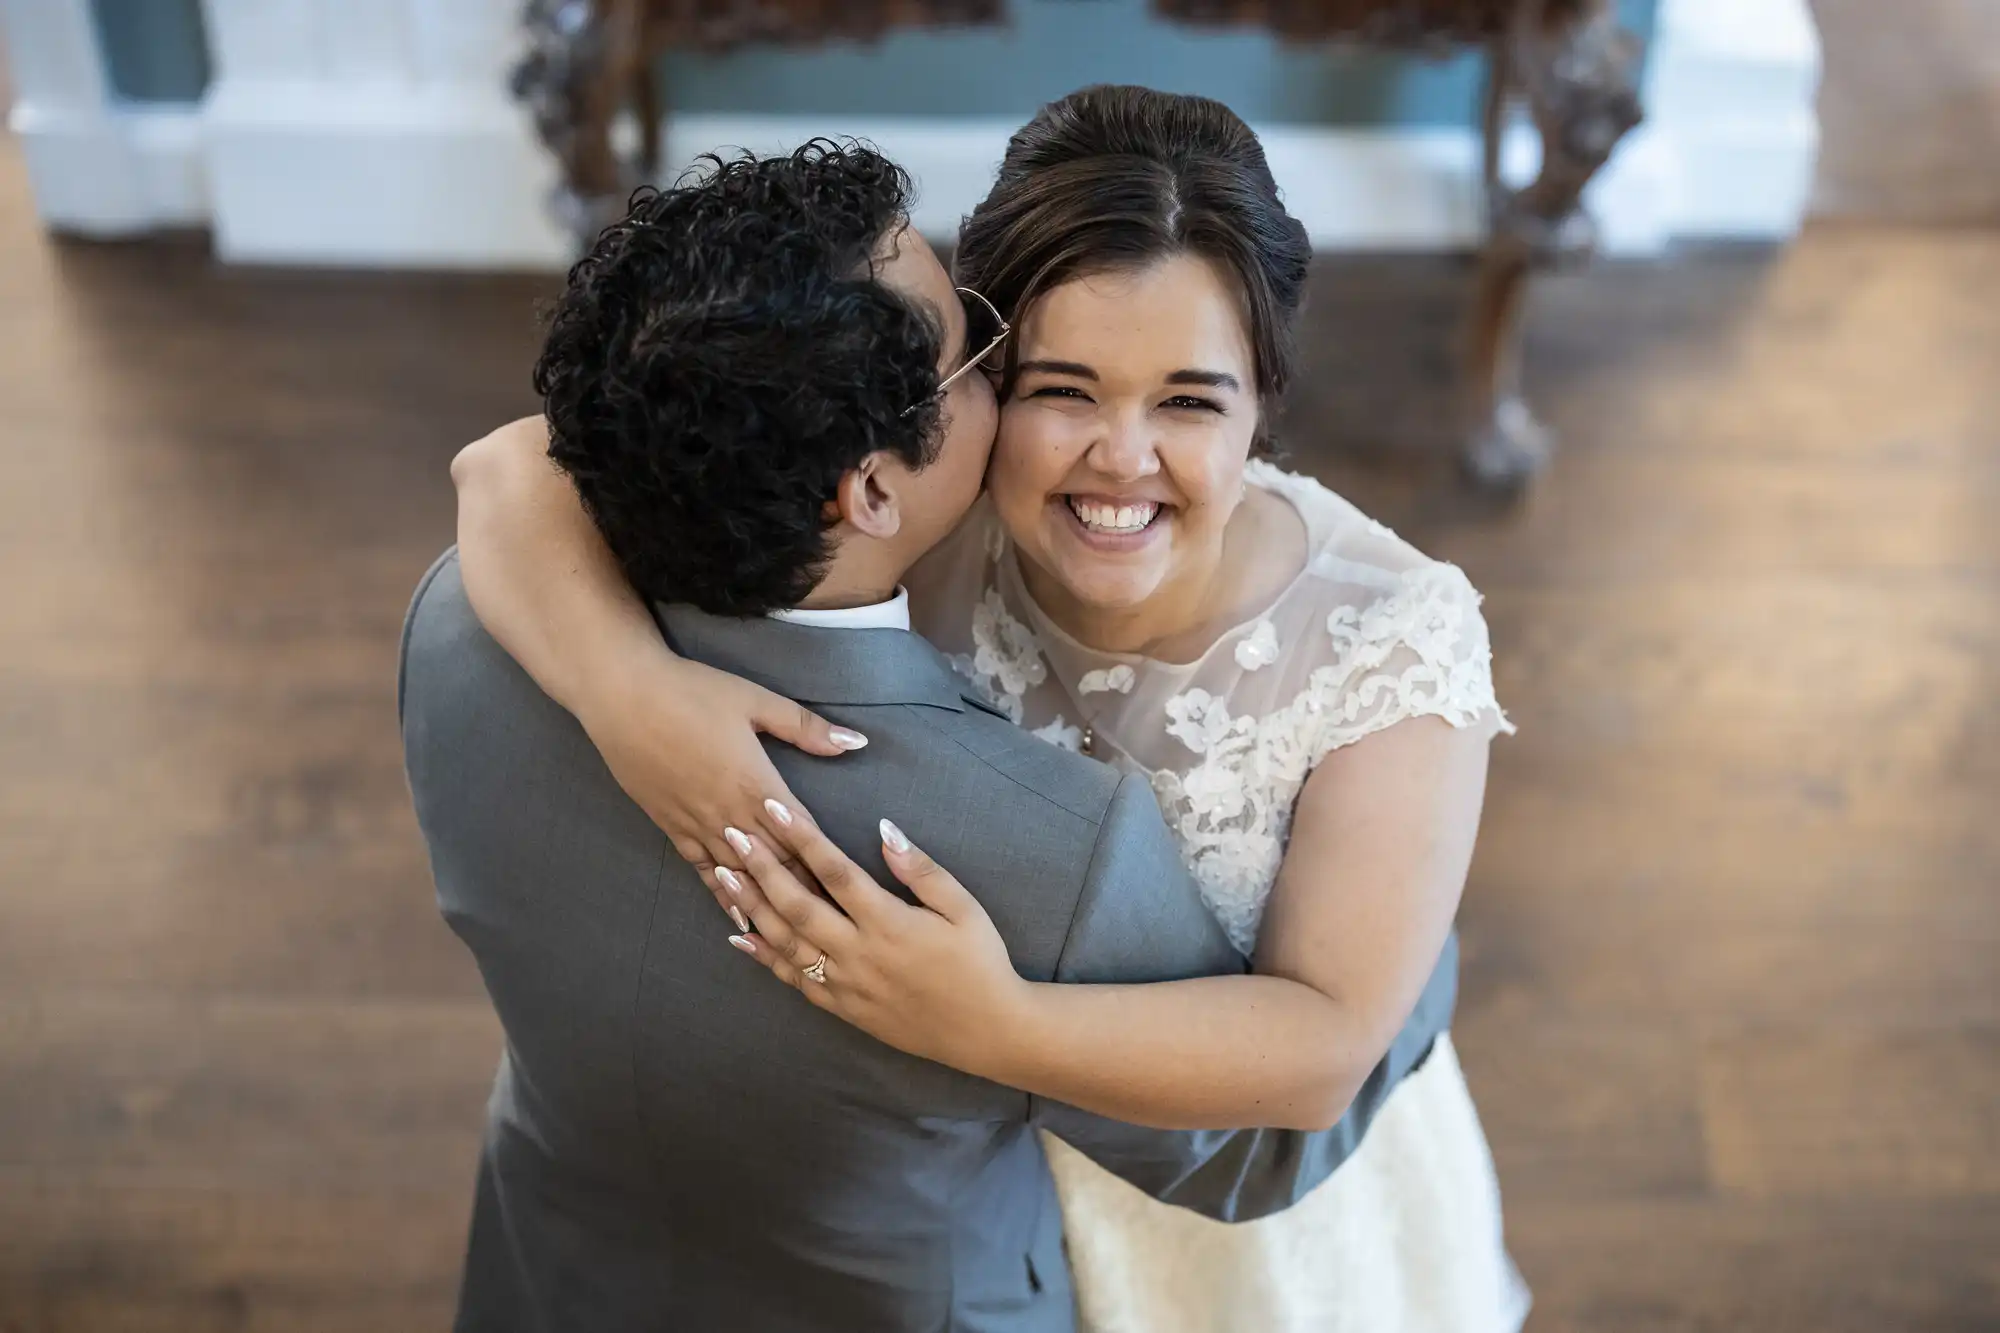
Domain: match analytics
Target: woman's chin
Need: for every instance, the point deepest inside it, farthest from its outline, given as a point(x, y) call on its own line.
point(1096, 589)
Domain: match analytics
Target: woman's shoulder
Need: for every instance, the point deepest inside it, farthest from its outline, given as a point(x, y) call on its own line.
point(1357, 561)
point(1380, 630)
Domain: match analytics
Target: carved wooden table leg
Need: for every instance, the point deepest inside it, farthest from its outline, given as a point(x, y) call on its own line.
point(589, 59)
point(1579, 79)
point(584, 57)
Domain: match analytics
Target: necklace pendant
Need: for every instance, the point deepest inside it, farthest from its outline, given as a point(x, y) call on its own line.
point(1090, 741)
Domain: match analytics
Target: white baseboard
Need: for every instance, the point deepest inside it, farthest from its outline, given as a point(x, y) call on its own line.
point(118, 171)
point(377, 177)
point(453, 184)
point(385, 173)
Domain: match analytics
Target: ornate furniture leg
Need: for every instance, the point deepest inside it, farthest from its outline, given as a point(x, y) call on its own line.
point(649, 106)
point(570, 80)
point(1578, 77)
point(589, 59)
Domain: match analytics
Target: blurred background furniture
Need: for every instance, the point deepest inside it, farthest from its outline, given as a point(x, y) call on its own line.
point(382, 134)
point(590, 60)
point(386, 134)
point(1576, 72)
point(1566, 61)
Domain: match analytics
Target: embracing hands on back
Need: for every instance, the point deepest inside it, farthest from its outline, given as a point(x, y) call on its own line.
point(681, 738)
point(931, 978)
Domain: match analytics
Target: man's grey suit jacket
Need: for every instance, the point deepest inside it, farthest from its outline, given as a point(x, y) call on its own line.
point(677, 1141)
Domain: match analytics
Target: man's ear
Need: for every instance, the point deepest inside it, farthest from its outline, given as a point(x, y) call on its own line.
point(867, 498)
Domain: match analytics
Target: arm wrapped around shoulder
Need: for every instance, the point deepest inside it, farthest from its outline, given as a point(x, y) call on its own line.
point(1141, 919)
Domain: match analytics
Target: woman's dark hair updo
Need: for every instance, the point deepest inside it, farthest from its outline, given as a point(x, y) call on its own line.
point(1118, 178)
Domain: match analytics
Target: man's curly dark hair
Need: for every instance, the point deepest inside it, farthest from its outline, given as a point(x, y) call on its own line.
point(723, 356)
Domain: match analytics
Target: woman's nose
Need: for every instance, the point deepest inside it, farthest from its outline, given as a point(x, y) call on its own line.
point(1125, 452)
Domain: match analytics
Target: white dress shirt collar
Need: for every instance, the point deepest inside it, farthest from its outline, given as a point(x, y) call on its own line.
point(892, 614)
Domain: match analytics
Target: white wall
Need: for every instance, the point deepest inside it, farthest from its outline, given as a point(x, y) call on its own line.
point(372, 132)
point(379, 133)
point(95, 167)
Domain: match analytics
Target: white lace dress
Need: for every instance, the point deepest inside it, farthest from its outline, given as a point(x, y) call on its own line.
point(1405, 1237)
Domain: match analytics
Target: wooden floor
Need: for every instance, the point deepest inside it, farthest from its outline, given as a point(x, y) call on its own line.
point(1732, 1006)
point(1909, 110)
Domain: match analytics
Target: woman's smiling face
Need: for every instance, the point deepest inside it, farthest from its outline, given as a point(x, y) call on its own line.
point(1121, 450)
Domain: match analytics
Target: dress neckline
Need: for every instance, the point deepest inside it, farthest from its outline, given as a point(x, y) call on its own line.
point(1257, 472)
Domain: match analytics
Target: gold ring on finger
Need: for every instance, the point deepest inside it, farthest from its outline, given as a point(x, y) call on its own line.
point(818, 970)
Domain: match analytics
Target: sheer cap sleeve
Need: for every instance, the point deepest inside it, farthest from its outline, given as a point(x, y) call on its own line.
point(1419, 650)
point(1386, 633)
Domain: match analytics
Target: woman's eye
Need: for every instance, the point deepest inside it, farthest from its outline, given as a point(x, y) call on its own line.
point(1061, 391)
point(1189, 403)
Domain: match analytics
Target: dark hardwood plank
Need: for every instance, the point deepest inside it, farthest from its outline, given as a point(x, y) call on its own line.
point(1586, 1108)
point(1821, 1114)
point(1724, 1264)
point(1910, 111)
point(204, 1260)
point(136, 1091)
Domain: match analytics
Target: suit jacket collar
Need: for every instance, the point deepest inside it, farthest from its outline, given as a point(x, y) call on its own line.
point(820, 666)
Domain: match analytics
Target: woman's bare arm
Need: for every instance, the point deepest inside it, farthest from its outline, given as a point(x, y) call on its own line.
point(1381, 842)
point(543, 582)
point(680, 737)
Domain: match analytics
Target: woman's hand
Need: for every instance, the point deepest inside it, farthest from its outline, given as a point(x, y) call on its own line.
point(681, 739)
point(932, 979)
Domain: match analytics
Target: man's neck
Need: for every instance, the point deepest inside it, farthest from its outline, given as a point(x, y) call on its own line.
point(847, 585)
point(821, 600)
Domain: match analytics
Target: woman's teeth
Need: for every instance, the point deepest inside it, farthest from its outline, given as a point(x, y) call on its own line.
point(1114, 518)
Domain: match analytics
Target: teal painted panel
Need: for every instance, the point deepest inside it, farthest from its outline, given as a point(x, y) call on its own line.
point(157, 51)
point(154, 50)
point(1052, 47)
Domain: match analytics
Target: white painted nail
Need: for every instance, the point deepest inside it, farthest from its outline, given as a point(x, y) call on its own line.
point(745, 945)
point(894, 837)
point(845, 739)
point(742, 922)
point(737, 839)
point(778, 812)
point(727, 878)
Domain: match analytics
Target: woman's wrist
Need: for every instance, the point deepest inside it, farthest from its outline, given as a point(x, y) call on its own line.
point(1014, 1047)
point(623, 664)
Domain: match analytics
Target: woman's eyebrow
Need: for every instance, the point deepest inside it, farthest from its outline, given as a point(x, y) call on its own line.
point(1213, 379)
point(1075, 369)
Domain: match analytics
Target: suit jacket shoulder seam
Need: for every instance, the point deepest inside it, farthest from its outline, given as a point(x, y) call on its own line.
point(1096, 820)
point(1076, 904)
point(1089, 873)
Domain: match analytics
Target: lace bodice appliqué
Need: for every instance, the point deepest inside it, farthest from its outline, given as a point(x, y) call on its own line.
point(1372, 633)
point(1412, 654)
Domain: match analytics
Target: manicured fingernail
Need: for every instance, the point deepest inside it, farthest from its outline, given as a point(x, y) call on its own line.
point(745, 945)
point(728, 880)
point(845, 739)
point(778, 812)
point(738, 839)
point(742, 922)
point(893, 836)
